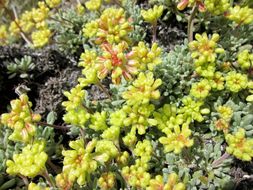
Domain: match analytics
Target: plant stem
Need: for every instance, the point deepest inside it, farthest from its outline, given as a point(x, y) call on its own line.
point(154, 32)
point(48, 178)
point(23, 35)
point(190, 23)
point(82, 133)
point(64, 128)
point(25, 180)
point(104, 90)
point(56, 168)
point(220, 160)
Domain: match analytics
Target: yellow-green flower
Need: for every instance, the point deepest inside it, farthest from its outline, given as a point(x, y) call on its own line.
point(222, 125)
point(136, 176)
point(112, 27)
point(239, 146)
point(173, 183)
point(41, 37)
point(139, 117)
point(245, 59)
point(147, 58)
point(143, 90)
point(191, 110)
point(217, 7)
point(53, 3)
point(177, 139)
point(33, 186)
point(240, 15)
point(21, 119)
point(107, 181)
point(62, 181)
point(225, 112)
point(76, 112)
point(236, 81)
point(152, 15)
point(3, 34)
point(41, 13)
point(78, 163)
point(90, 29)
point(80, 9)
point(217, 81)
point(205, 49)
point(27, 162)
point(200, 89)
point(93, 5)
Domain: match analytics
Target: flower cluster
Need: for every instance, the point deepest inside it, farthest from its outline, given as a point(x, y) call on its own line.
point(164, 114)
point(27, 162)
point(88, 60)
point(53, 3)
point(3, 34)
point(136, 175)
point(106, 181)
point(147, 58)
point(63, 182)
point(236, 82)
point(98, 121)
point(79, 163)
point(204, 52)
point(184, 3)
point(143, 89)
point(225, 114)
point(139, 117)
point(171, 184)
point(152, 15)
point(34, 22)
point(200, 89)
point(143, 150)
point(217, 81)
point(93, 5)
point(76, 114)
point(176, 140)
point(217, 7)
point(245, 59)
point(240, 15)
point(21, 119)
point(111, 27)
point(192, 110)
point(115, 61)
point(239, 146)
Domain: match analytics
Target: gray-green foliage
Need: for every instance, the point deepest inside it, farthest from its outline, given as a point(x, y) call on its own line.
point(68, 26)
point(20, 67)
point(199, 167)
point(175, 72)
point(134, 12)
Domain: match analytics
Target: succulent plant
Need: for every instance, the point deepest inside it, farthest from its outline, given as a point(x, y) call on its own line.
point(21, 67)
point(176, 72)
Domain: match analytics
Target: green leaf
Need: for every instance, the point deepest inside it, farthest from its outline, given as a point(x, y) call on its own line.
point(51, 117)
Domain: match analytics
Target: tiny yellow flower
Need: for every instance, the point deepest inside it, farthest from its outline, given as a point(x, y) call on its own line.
point(41, 37)
point(240, 15)
point(239, 146)
point(200, 89)
point(152, 15)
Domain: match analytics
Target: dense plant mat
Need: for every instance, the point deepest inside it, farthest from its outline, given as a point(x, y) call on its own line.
point(126, 94)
